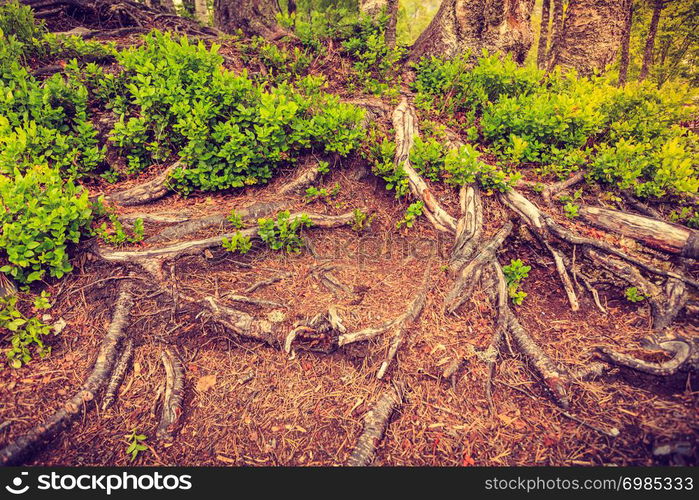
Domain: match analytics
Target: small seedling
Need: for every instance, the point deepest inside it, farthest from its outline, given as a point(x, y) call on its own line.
point(514, 274)
point(634, 295)
point(411, 215)
point(238, 243)
point(235, 219)
point(135, 442)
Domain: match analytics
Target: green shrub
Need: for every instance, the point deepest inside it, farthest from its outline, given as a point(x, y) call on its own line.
point(173, 97)
point(283, 232)
point(375, 63)
point(19, 28)
point(26, 333)
point(411, 214)
point(238, 243)
point(41, 214)
point(458, 85)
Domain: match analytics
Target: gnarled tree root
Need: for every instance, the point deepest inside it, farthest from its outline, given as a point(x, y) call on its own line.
point(171, 410)
point(21, 448)
point(118, 374)
point(405, 124)
point(685, 357)
point(375, 424)
point(147, 192)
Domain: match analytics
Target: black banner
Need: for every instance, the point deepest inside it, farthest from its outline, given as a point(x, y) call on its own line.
point(218, 482)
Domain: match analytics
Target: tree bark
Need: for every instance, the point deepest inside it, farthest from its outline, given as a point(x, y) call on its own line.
point(625, 42)
point(201, 11)
point(543, 35)
point(392, 11)
point(661, 235)
point(253, 17)
point(463, 25)
point(556, 31)
point(650, 40)
point(591, 36)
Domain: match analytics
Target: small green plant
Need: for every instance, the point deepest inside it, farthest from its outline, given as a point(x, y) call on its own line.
point(135, 443)
point(26, 333)
point(323, 167)
point(571, 210)
point(235, 219)
point(634, 295)
point(411, 214)
point(238, 243)
point(361, 220)
point(313, 193)
point(514, 273)
point(284, 232)
point(113, 233)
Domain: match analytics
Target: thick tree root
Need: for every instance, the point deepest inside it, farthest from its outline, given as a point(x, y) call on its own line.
point(172, 399)
point(240, 323)
point(152, 259)
point(665, 306)
point(375, 424)
point(657, 234)
point(147, 192)
point(468, 228)
point(21, 448)
point(118, 374)
point(405, 124)
point(685, 357)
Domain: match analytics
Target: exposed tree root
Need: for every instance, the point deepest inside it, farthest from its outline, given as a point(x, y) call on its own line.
point(117, 377)
point(171, 410)
point(684, 351)
point(665, 306)
point(152, 259)
point(553, 189)
point(147, 192)
point(240, 323)
point(661, 235)
point(468, 228)
point(190, 226)
point(375, 423)
point(21, 448)
point(405, 124)
point(266, 282)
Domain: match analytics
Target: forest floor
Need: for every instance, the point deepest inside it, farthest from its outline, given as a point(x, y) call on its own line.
point(248, 404)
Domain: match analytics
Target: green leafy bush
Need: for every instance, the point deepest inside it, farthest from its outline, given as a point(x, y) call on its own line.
point(41, 214)
point(459, 85)
point(375, 63)
point(26, 333)
point(283, 232)
point(238, 243)
point(173, 97)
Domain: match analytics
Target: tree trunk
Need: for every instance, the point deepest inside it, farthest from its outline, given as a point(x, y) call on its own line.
point(253, 17)
point(625, 42)
point(556, 31)
point(463, 25)
point(392, 11)
point(650, 40)
point(201, 11)
point(591, 35)
point(543, 35)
